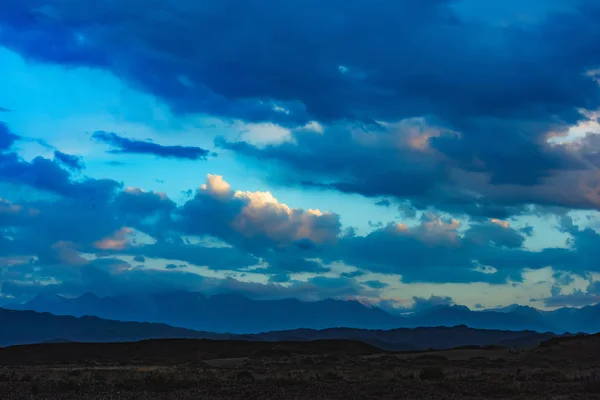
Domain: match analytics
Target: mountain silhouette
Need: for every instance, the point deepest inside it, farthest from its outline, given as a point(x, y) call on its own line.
point(234, 313)
point(31, 327)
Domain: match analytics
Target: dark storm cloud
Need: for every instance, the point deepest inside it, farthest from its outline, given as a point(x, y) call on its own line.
point(489, 93)
point(121, 145)
point(7, 138)
point(402, 161)
point(139, 202)
point(371, 161)
point(104, 277)
point(70, 161)
point(216, 258)
point(109, 277)
point(435, 252)
point(280, 260)
point(48, 176)
point(351, 61)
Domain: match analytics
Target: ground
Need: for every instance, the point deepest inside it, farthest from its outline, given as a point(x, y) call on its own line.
point(561, 369)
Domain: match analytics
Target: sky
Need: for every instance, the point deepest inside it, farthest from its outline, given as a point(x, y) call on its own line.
point(396, 152)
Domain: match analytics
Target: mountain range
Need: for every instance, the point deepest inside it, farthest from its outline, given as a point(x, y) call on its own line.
point(31, 327)
point(236, 314)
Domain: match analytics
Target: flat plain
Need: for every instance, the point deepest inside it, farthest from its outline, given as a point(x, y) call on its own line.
point(566, 368)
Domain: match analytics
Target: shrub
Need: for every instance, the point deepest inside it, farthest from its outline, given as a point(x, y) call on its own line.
point(245, 377)
point(66, 385)
point(591, 383)
point(35, 389)
point(432, 373)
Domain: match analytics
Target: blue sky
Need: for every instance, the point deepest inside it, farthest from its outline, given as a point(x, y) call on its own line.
point(344, 149)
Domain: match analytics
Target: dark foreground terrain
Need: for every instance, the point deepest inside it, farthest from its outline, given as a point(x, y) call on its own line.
point(561, 368)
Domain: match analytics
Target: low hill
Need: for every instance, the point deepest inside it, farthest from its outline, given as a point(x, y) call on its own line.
point(23, 327)
point(171, 351)
point(410, 339)
point(575, 350)
point(332, 369)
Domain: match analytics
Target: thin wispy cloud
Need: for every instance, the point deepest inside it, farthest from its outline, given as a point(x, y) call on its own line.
point(122, 145)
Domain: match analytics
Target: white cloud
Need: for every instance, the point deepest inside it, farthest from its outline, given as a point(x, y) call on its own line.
point(262, 215)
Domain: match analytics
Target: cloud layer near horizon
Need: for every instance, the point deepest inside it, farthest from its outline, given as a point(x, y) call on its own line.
point(81, 237)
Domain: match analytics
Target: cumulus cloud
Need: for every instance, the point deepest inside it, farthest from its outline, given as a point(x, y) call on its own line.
point(254, 220)
point(94, 217)
point(497, 232)
point(377, 162)
point(216, 185)
point(419, 304)
point(89, 217)
point(147, 211)
point(79, 235)
point(121, 145)
point(264, 215)
point(435, 251)
point(577, 298)
point(117, 241)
